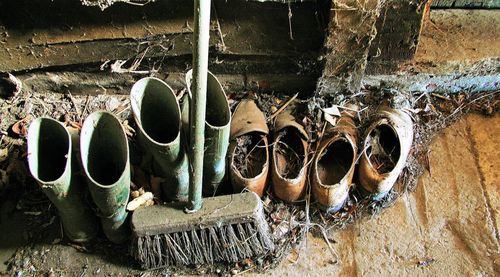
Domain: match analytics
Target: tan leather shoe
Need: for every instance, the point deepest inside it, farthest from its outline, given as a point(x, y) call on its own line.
point(289, 157)
point(386, 147)
point(334, 163)
point(248, 148)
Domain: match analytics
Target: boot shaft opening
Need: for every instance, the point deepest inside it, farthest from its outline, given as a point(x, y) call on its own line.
point(158, 109)
point(49, 148)
point(104, 148)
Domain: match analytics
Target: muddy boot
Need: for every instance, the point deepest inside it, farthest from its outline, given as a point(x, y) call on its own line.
point(217, 127)
point(248, 149)
point(105, 158)
point(386, 147)
point(158, 118)
point(53, 162)
point(289, 157)
point(334, 163)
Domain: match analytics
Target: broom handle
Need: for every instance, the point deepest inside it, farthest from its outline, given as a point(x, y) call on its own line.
point(198, 101)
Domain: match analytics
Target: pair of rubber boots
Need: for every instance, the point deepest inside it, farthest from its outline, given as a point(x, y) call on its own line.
point(163, 133)
point(56, 157)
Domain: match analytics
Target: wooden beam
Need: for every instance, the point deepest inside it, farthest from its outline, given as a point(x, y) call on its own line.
point(88, 83)
point(48, 33)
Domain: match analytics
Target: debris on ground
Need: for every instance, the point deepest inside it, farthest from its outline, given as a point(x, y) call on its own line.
point(249, 156)
point(290, 162)
point(431, 113)
point(426, 262)
point(145, 199)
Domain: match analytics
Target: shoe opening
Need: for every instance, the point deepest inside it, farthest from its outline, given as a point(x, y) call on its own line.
point(335, 162)
point(250, 155)
point(383, 148)
point(289, 154)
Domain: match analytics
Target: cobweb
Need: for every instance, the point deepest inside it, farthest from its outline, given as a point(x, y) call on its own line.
point(103, 4)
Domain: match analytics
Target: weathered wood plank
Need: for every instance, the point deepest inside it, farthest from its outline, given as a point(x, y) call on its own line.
point(25, 57)
point(88, 83)
point(59, 21)
point(74, 34)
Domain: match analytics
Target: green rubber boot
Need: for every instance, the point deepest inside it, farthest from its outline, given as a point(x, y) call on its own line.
point(217, 127)
point(53, 163)
point(105, 158)
point(158, 118)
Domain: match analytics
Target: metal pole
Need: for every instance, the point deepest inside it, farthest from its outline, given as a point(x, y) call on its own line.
point(198, 101)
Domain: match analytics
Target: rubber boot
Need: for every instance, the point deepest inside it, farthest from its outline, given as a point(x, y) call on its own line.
point(158, 118)
point(105, 158)
point(217, 127)
point(54, 165)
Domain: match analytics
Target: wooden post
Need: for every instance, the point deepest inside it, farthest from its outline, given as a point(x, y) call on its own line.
point(350, 33)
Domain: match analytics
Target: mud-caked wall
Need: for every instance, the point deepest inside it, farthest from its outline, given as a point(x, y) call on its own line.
point(256, 45)
point(248, 39)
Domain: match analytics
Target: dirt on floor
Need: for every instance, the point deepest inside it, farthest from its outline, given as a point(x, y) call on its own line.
point(447, 227)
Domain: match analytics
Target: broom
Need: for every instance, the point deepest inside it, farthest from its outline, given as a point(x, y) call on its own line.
point(226, 228)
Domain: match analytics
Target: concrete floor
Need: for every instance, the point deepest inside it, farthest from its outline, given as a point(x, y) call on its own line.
point(448, 226)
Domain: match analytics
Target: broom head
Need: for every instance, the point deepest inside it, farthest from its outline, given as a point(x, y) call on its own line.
point(228, 228)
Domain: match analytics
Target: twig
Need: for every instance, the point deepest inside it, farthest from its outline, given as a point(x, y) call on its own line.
point(483, 96)
point(87, 101)
point(124, 109)
point(219, 30)
point(283, 107)
point(78, 113)
point(440, 96)
point(245, 271)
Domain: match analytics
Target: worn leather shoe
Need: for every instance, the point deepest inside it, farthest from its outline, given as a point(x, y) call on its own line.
point(248, 149)
point(289, 157)
point(386, 147)
point(334, 162)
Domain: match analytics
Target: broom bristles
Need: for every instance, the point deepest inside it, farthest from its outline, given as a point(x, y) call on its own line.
point(229, 243)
